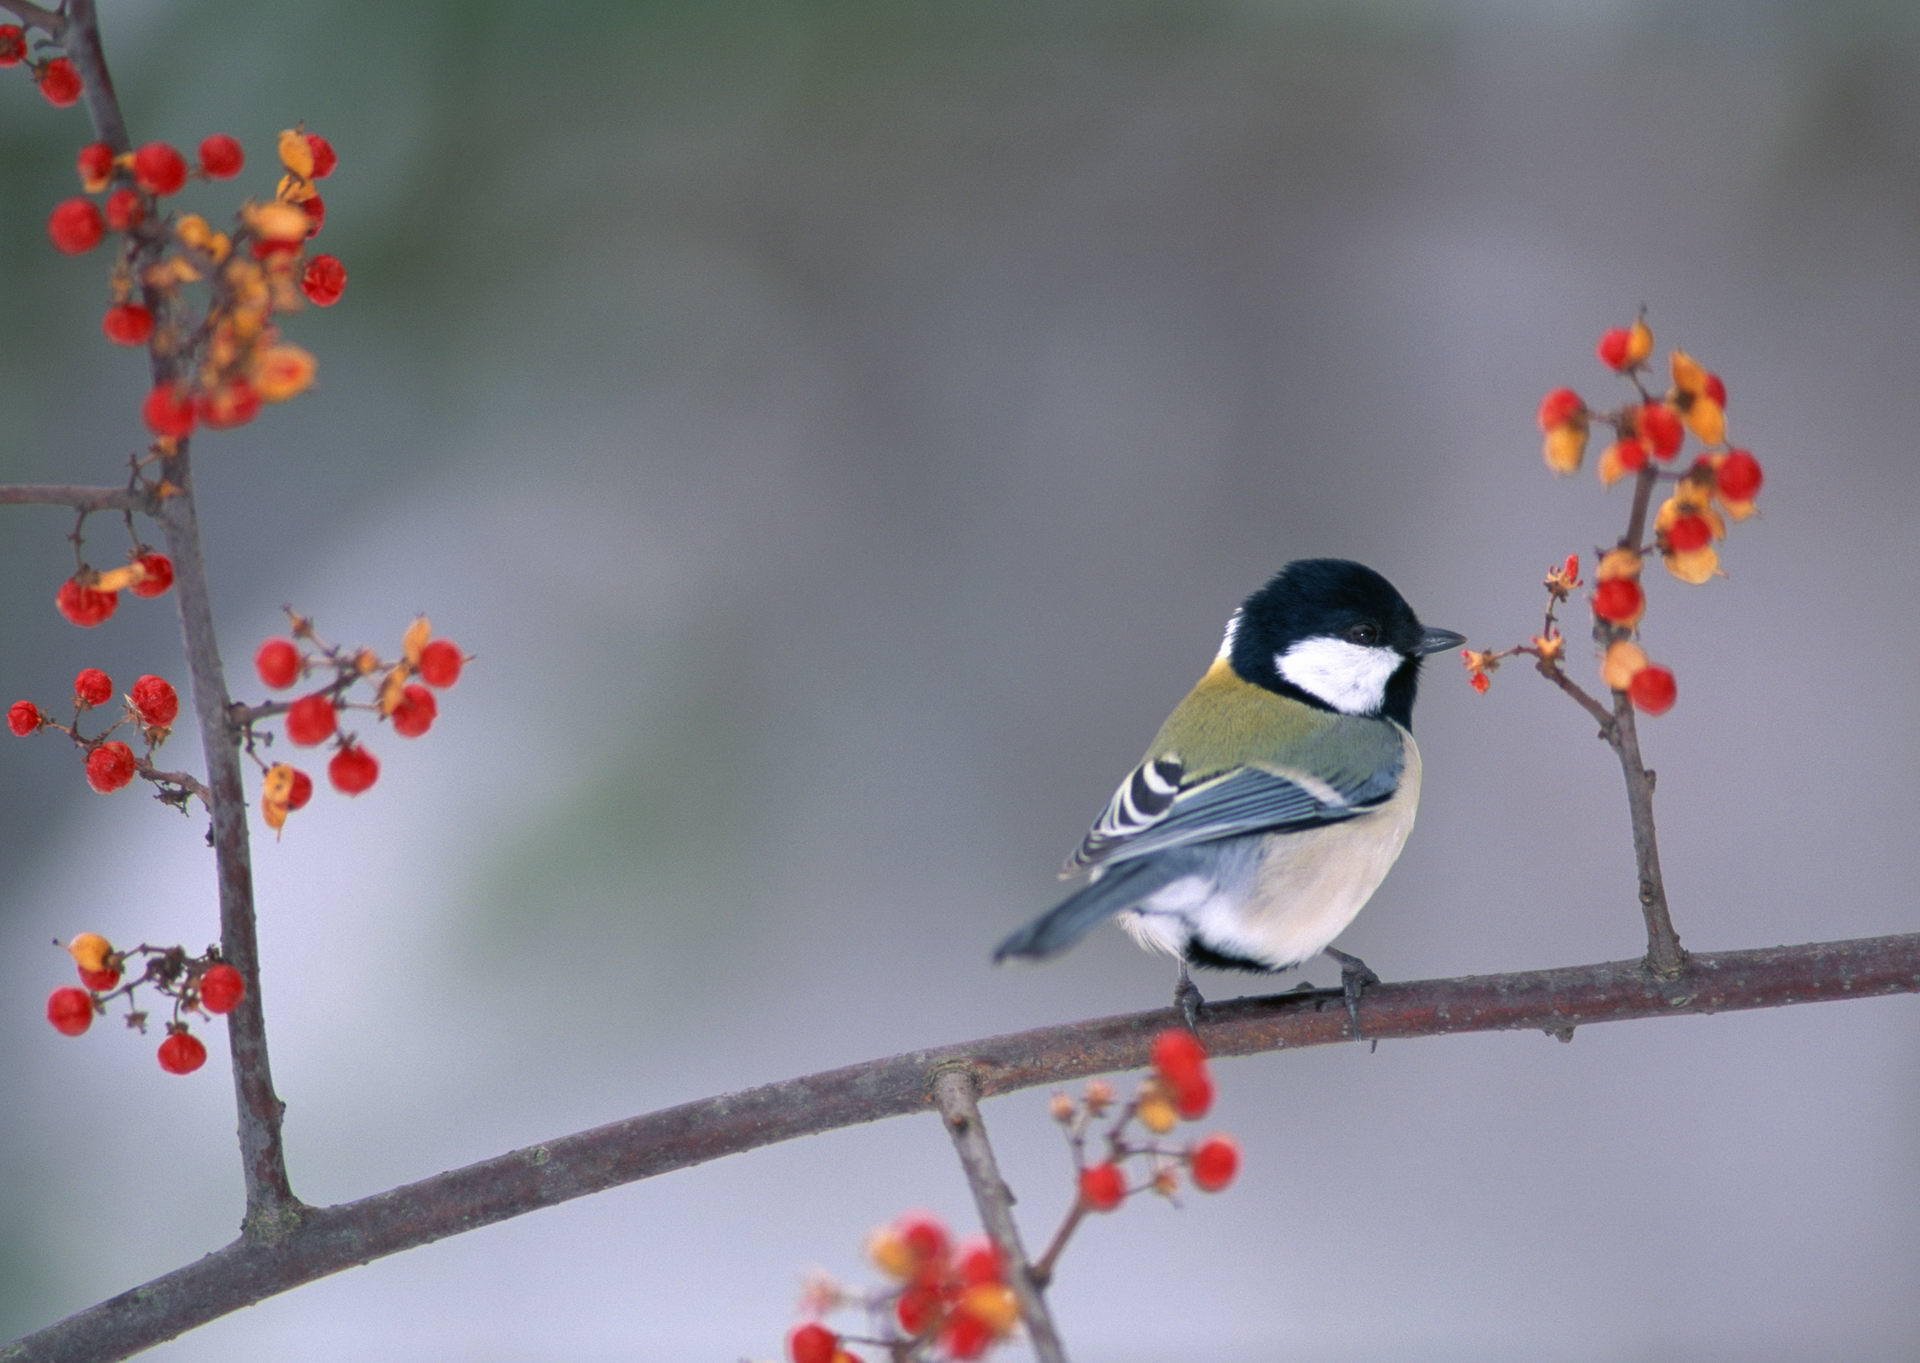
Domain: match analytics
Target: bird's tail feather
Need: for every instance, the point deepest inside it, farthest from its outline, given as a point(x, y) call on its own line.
point(1121, 888)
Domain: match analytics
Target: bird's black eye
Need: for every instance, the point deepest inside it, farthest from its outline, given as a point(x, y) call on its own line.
point(1366, 634)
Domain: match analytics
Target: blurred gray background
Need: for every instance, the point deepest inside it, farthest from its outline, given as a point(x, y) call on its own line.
point(841, 431)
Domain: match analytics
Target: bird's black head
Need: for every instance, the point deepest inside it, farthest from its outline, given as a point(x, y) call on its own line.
point(1336, 635)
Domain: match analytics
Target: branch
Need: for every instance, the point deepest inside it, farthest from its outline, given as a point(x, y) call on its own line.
point(49, 22)
point(329, 1239)
point(85, 499)
point(955, 1093)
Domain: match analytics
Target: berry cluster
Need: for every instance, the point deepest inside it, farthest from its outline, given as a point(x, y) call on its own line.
point(149, 709)
point(227, 353)
point(1719, 486)
point(58, 78)
point(202, 984)
point(395, 696)
point(947, 1302)
point(90, 597)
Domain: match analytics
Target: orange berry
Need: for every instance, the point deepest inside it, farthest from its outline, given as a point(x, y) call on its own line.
point(90, 951)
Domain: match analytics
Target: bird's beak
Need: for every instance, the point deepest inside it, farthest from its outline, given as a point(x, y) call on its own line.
point(1438, 640)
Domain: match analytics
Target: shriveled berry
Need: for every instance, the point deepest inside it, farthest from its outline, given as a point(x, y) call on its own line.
point(1739, 476)
point(110, 766)
point(156, 575)
point(278, 663)
point(126, 210)
point(70, 1010)
point(324, 281)
point(1103, 1187)
point(1559, 407)
point(1619, 600)
point(440, 663)
point(1659, 427)
point(300, 791)
point(95, 166)
point(155, 701)
point(1215, 1162)
point(75, 226)
point(1653, 690)
point(182, 1053)
point(83, 605)
point(169, 411)
point(60, 83)
point(13, 44)
point(221, 988)
point(91, 687)
point(127, 324)
point(23, 717)
point(221, 157)
point(324, 156)
point(415, 713)
point(812, 1343)
point(159, 168)
point(353, 770)
point(311, 720)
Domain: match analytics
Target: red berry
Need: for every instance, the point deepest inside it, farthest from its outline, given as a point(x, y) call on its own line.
point(127, 324)
point(812, 1343)
point(75, 226)
point(1632, 454)
point(155, 701)
point(1653, 690)
point(1615, 345)
point(233, 403)
point(311, 720)
point(95, 164)
point(1102, 1187)
point(1559, 407)
point(83, 605)
point(925, 1236)
point(1739, 476)
point(415, 713)
point(1688, 533)
point(159, 575)
point(91, 687)
point(919, 1306)
point(1194, 1099)
point(70, 1010)
point(13, 44)
point(221, 988)
point(221, 157)
point(324, 281)
point(440, 662)
point(110, 766)
point(278, 663)
point(966, 1336)
point(23, 717)
point(1618, 600)
point(182, 1053)
point(126, 210)
point(1717, 390)
point(324, 156)
point(168, 410)
point(60, 83)
point(159, 168)
point(353, 770)
point(978, 1262)
point(301, 791)
point(1179, 1056)
point(99, 981)
point(316, 210)
point(1215, 1161)
point(1659, 426)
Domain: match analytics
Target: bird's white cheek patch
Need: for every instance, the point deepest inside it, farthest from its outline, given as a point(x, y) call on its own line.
point(1350, 677)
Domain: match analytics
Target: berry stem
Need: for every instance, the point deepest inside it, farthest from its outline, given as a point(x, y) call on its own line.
point(50, 22)
point(956, 1094)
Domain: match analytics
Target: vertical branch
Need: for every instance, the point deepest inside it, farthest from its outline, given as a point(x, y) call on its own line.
point(956, 1094)
point(271, 1204)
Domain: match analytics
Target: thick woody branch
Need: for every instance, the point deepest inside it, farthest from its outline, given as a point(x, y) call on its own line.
point(329, 1239)
point(956, 1094)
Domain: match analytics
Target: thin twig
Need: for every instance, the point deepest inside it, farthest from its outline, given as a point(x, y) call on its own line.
point(329, 1239)
point(956, 1095)
point(49, 22)
point(80, 498)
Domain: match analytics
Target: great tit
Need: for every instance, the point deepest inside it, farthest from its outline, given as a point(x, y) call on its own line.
point(1276, 796)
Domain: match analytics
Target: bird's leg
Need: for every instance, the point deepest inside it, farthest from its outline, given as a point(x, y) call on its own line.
point(1186, 997)
point(1355, 975)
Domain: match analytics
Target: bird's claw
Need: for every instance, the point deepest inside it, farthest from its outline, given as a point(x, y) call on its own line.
point(1186, 998)
point(1355, 975)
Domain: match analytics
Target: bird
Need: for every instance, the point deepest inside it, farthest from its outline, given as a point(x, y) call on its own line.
point(1276, 796)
